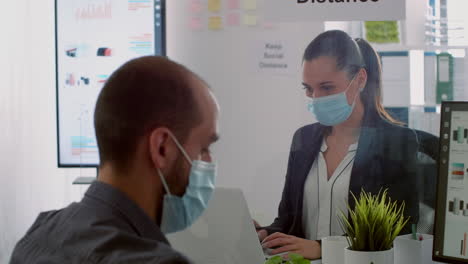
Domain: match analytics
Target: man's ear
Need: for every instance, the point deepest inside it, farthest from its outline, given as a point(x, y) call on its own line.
point(160, 147)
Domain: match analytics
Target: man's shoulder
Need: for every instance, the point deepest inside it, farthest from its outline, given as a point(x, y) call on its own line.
point(40, 238)
point(74, 235)
point(49, 221)
point(114, 252)
point(125, 248)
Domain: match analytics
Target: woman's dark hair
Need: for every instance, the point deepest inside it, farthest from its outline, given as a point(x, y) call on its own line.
point(351, 56)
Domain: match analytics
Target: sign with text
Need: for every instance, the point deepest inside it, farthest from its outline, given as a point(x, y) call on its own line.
point(335, 10)
point(274, 57)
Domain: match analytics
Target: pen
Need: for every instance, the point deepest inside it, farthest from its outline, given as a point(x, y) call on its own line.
point(413, 231)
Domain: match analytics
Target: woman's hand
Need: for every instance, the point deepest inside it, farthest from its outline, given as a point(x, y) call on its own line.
point(309, 249)
point(262, 233)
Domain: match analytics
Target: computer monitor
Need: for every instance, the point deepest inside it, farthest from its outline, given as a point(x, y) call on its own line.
point(93, 38)
point(451, 217)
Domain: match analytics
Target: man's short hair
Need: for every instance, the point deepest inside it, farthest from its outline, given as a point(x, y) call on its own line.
point(143, 94)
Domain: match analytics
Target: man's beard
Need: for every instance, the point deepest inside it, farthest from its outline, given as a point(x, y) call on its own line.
point(177, 178)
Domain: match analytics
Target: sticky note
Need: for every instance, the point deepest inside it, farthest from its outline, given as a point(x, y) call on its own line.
point(195, 23)
point(233, 4)
point(250, 20)
point(214, 5)
point(233, 19)
point(250, 4)
point(195, 6)
point(268, 25)
point(215, 23)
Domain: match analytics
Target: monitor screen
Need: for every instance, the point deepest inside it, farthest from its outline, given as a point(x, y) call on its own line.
point(451, 220)
point(93, 38)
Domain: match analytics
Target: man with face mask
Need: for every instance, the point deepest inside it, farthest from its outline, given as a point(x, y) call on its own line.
point(154, 121)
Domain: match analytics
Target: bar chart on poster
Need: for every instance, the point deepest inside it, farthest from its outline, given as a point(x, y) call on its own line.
point(93, 38)
point(456, 231)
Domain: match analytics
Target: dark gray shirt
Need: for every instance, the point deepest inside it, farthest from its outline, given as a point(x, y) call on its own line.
point(105, 227)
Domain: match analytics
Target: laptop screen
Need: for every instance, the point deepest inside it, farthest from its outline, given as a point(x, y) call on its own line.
point(451, 223)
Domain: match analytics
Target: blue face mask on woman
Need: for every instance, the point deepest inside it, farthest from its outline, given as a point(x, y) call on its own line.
point(181, 212)
point(333, 109)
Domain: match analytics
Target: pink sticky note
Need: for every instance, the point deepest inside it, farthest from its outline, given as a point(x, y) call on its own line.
point(268, 25)
point(195, 23)
point(233, 4)
point(233, 19)
point(195, 6)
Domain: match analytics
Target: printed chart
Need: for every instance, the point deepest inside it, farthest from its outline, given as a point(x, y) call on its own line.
point(95, 37)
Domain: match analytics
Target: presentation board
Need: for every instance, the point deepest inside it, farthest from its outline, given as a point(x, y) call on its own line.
point(451, 218)
point(93, 38)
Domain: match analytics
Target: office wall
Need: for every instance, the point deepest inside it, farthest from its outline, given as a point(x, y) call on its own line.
point(259, 110)
point(30, 181)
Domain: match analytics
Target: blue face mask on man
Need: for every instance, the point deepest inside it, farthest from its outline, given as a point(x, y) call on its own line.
point(181, 212)
point(333, 109)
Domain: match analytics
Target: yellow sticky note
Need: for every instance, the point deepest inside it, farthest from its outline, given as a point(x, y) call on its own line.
point(250, 4)
point(215, 23)
point(250, 20)
point(214, 5)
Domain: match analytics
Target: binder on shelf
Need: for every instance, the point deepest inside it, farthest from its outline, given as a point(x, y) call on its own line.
point(444, 77)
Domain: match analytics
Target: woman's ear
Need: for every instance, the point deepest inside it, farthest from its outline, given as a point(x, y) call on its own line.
point(362, 79)
point(160, 147)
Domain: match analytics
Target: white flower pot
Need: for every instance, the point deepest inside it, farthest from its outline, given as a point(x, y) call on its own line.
point(410, 251)
point(368, 257)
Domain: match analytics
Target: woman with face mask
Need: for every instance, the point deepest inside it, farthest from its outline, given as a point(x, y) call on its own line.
point(354, 145)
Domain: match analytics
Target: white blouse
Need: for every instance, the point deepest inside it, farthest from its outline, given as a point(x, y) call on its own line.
point(323, 199)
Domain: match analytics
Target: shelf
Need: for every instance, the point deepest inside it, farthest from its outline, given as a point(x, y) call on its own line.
point(84, 180)
point(399, 47)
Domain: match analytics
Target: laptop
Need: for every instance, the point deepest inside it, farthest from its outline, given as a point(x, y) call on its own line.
point(223, 234)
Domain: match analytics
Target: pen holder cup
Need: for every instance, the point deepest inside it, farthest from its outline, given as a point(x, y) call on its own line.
point(410, 251)
point(333, 248)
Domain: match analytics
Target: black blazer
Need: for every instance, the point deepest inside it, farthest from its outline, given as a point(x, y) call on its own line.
point(387, 157)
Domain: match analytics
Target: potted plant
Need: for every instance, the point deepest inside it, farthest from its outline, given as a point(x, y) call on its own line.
point(372, 226)
point(292, 259)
